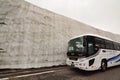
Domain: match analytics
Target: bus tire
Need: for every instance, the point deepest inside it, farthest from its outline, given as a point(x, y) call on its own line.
point(103, 65)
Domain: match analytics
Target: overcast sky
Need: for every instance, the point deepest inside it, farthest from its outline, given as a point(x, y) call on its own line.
point(102, 14)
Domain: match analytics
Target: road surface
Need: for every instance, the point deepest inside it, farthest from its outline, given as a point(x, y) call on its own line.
point(65, 73)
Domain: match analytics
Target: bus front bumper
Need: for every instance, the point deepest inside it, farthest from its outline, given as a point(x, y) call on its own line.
point(80, 65)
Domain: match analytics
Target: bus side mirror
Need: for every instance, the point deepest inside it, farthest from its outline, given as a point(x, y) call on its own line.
point(96, 48)
point(84, 44)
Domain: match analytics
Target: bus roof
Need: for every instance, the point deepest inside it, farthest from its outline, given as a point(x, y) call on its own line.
point(95, 35)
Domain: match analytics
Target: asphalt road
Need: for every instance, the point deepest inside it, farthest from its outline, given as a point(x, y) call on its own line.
point(66, 73)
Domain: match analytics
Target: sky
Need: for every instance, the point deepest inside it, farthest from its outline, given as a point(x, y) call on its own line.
point(102, 14)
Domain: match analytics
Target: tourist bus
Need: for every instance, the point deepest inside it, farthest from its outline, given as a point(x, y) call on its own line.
point(91, 52)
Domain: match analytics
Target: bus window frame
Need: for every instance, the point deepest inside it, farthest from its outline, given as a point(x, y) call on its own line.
point(90, 41)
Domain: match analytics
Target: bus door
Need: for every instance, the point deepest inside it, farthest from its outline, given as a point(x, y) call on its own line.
point(90, 46)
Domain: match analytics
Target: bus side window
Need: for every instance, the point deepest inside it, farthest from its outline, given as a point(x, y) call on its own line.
point(109, 44)
point(116, 46)
point(99, 43)
point(119, 46)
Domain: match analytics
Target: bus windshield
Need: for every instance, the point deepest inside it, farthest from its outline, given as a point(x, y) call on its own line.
point(76, 47)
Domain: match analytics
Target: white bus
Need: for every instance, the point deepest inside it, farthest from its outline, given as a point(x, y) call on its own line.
point(89, 52)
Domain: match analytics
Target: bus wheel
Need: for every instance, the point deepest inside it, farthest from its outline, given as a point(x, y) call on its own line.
point(103, 65)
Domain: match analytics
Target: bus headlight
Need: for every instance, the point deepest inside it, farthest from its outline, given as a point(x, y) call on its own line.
point(82, 64)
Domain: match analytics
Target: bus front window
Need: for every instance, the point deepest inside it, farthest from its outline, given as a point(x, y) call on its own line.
point(76, 47)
